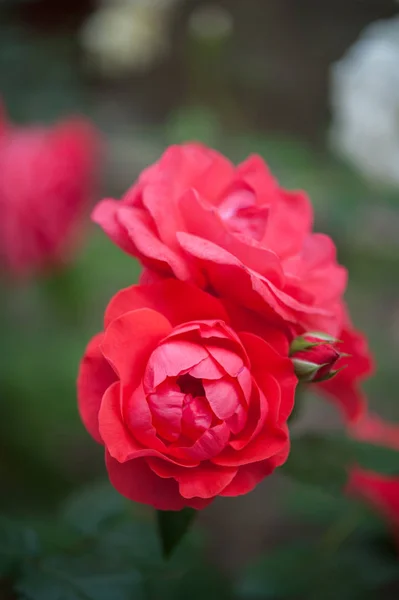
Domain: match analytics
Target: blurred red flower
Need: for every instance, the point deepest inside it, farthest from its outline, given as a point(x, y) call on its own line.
point(380, 491)
point(46, 183)
point(188, 405)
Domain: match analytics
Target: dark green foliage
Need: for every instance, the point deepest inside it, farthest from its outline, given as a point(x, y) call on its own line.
point(306, 571)
point(99, 547)
point(88, 578)
point(324, 460)
point(17, 543)
point(172, 527)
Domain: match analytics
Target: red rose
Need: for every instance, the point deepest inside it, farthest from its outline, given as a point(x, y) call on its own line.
point(233, 230)
point(187, 405)
point(46, 181)
point(380, 491)
point(344, 388)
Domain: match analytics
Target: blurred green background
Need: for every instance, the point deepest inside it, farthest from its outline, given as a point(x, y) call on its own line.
point(243, 77)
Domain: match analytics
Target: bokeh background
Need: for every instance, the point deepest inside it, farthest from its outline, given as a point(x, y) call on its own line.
point(243, 76)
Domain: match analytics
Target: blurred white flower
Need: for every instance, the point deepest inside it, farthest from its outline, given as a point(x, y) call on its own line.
point(365, 103)
point(125, 36)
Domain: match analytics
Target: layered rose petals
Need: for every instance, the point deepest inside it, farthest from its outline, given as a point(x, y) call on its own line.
point(187, 407)
point(195, 216)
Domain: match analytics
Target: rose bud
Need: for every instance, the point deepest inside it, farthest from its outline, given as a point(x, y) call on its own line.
point(314, 356)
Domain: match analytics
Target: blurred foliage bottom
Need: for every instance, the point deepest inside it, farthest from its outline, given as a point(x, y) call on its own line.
point(100, 547)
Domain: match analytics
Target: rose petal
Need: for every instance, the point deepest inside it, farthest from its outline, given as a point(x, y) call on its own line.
point(138, 418)
point(223, 396)
point(209, 444)
point(95, 377)
point(117, 438)
point(105, 215)
point(254, 172)
point(206, 369)
point(136, 481)
point(258, 410)
point(148, 247)
point(156, 196)
point(244, 379)
point(197, 417)
point(266, 444)
point(166, 406)
point(148, 277)
point(270, 328)
point(205, 481)
point(179, 302)
point(129, 340)
point(203, 221)
point(222, 267)
point(226, 355)
point(247, 478)
point(289, 223)
point(271, 389)
point(250, 289)
point(237, 421)
point(170, 359)
point(261, 353)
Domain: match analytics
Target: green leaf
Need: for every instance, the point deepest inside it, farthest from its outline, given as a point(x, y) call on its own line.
point(375, 458)
point(83, 578)
point(172, 527)
point(91, 508)
point(188, 574)
point(314, 505)
point(309, 571)
point(299, 344)
point(325, 460)
point(55, 536)
point(17, 542)
point(197, 583)
point(305, 370)
point(319, 461)
point(283, 573)
point(131, 542)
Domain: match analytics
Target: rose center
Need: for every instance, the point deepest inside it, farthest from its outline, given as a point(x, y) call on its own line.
point(191, 385)
point(242, 215)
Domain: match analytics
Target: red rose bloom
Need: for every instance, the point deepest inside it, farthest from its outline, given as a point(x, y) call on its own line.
point(380, 491)
point(46, 181)
point(344, 389)
point(195, 216)
point(187, 405)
